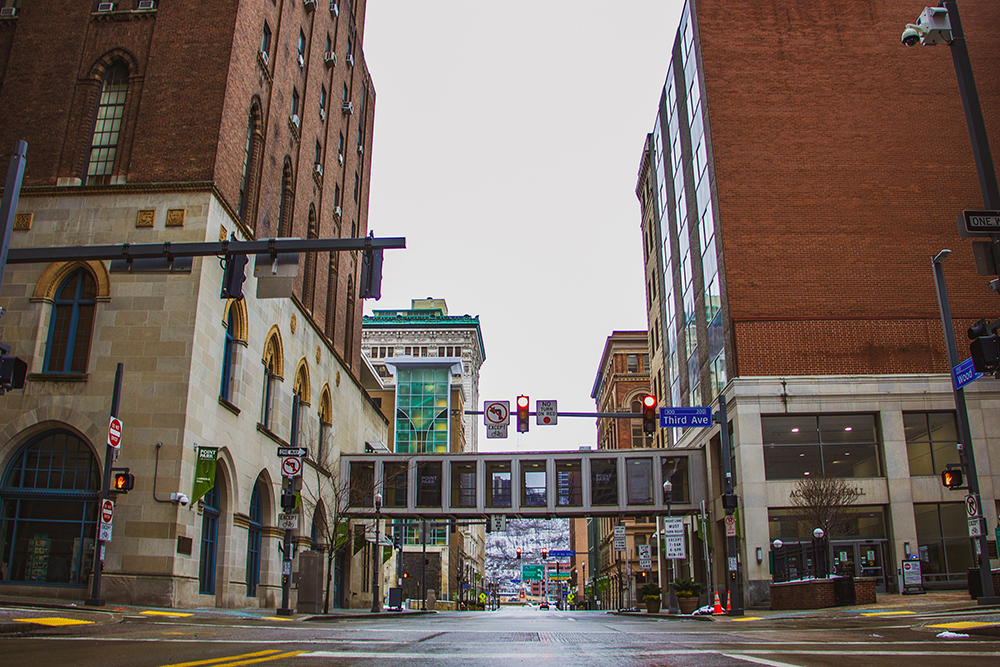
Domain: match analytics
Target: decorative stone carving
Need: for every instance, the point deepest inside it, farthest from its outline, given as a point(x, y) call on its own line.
point(175, 217)
point(145, 218)
point(22, 221)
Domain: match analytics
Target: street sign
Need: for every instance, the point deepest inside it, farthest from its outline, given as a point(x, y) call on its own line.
point(619, 538)
point(546, 413)
point(911, 574)
point(645, 557)
point(288, 521)
point(974, 527)
point(981, 223)
point(286, 567)
point(971, 506)
point(732, 564)
point(293, 451)
point(562, 553)
point(498, 523)
point(115, 433)
point(496, 431)
point(104, 534)
point(107, 511)
point(562, 574)
point(673, 538)
point(496, 413)
point(730, 525)
point(532, 572)
point(964, 373)
point(291, 466)
point(685, 417)
point(482, 597)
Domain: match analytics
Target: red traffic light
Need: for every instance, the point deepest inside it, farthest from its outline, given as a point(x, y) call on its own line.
point(649, 414)
point(518, 551)
point(522, 413)
point(545, 552)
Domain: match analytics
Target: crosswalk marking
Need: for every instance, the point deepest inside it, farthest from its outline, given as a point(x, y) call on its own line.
point(53, 621)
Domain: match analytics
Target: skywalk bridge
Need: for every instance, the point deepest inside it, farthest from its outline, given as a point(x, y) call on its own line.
point(625, 482)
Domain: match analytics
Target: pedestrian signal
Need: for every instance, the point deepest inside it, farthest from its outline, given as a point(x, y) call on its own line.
point(952, 478)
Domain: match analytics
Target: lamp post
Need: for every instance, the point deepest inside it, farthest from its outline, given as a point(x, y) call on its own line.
point(377, 558)
point(967, 455)
point(818, 569)
point(668, 495)
point(777, 544)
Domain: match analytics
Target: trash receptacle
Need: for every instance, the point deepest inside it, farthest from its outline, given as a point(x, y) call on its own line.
point(843, 591)
point(975, 583)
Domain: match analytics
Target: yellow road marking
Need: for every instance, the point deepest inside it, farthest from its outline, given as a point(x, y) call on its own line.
point(165, 613)
point(191, 633)
point(231, 657)
point(886, 613)
point(961, 625)
point(748, 618)
point(53, 620)
point(276, 618)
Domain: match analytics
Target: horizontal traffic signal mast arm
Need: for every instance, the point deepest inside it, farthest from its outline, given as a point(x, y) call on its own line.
point(133, 251)
point(618, 415)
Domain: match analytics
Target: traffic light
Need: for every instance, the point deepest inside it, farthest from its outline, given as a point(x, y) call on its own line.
point(518, 552)
point(371, 274)
point(649, 414)
point(397, 539)
point(545, 553)
point(233, 275)
point(952, 478)
point(13, 371)
point(522, 414)
point(122, 480)
point(287, 501)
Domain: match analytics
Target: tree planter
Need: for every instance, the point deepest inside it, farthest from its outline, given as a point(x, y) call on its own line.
point(687, 605)
point(653, 606)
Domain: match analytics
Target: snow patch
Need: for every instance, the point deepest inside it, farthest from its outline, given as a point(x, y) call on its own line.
point(947, 634)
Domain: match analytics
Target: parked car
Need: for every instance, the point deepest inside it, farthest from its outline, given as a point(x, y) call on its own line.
point(544, 605)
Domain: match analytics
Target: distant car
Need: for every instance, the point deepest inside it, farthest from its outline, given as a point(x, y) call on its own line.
point(544, 605)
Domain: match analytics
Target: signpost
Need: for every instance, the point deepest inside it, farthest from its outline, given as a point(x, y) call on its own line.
point(685, 417)
point(730, 525)
point(619, 538)
point(645, 557)
point(546, 413)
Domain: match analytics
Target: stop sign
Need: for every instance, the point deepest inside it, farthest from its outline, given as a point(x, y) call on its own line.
point(107, 511)
point(115, 433)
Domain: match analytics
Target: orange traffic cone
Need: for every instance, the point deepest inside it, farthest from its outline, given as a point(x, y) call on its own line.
point(718, 605)
point(728, 597)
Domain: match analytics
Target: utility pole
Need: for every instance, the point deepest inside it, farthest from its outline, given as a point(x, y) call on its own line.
point(729, 501)
point(286, 561)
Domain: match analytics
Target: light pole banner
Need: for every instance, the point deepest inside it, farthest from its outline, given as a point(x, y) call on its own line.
point(204, 472)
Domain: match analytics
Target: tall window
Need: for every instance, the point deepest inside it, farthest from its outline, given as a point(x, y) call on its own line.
point(422, 413)
point(349, 322)
point(309, 279)
point(241, 212)
point(209, 541)
point(72, 323)
point(331, 296)
point(295, 102)
point(285, 204)
point(107, 125)
point(931, 441)
point(833, 445)
point(302, 48)
point(270, 388)
point(228, 360)
point(943, 541)
point(265, 40)
point(322, 102)
point(253, 541)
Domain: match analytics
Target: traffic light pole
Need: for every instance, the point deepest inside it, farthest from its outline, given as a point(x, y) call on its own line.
point(732, 548)
point(964, 432)
point(286, 561)
point(95, 599)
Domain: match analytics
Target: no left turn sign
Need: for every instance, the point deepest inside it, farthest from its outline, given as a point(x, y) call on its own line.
point(496, 413)
point(291, 466)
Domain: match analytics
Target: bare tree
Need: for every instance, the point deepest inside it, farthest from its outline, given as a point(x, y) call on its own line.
point(824, 502)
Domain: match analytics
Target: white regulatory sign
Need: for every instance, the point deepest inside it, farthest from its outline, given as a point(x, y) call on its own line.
point(104, 534)
point(546, 413)
point(115, 433)
point(974, 527)
point(291, 466)
point(730, 525)
point(496, 413)
point(971, 506)
point(288, 521)
point(499, 431)
point(673, 538)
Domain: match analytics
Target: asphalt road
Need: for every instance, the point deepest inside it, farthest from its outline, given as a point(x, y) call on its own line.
point(512, 636)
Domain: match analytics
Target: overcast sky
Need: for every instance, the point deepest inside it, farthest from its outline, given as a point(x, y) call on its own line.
point(506, 147)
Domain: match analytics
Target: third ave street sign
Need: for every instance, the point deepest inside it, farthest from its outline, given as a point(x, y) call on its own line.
point(685, 417)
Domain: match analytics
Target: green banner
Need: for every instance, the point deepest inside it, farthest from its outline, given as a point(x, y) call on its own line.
point(204, 472)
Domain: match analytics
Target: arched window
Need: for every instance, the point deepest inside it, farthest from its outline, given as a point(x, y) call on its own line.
point(49, 494)
point(236, 327)
point(273, 370)
point(325, 425)
point(72, 323)
point(285, 206)
point(107, 125)
point(309, 279)
point(209, 542)
point(253, 540)
point(331, 296)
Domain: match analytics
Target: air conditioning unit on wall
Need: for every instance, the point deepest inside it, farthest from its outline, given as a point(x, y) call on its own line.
point(295, 119)
point(302, 61)
point(310, 5)
point(330, 58)
point(334, 9)
point(8, 12)
point(106, 7)
point(318, 168)
point(147, 4)
point(336, 211)
point(263, 56)
point(322, 113)
point(350, 60)
point(347, 107)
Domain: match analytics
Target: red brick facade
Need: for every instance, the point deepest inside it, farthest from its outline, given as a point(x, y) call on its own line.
point(195, 77)
point(841, 160)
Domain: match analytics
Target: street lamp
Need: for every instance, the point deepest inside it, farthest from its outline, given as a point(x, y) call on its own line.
point(817, 544)
point(376, 558)
point(668, 496)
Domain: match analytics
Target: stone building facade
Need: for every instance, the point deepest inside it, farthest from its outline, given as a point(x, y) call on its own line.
point(240, 134)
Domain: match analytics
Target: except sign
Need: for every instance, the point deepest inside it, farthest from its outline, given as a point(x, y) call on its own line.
point(496, 413)
point(546, 413)
point(619, 538)
point(645, 557)
point(288, 521)
point(496, 431)
point(115, 433)
point(673, 538)
point(685, 417)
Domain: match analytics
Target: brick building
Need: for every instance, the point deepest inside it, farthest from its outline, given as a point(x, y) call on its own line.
point(174, 121)
point(797, 182)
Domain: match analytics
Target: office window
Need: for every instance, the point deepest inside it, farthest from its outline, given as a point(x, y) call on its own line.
point(833, 445)
point(107, 125)
point(943, 541)
point(265, 40)
point(632, 363)
point(322, 99)
point(302, 48)
point(72, 324)
point(931, 441)
point(295, 102)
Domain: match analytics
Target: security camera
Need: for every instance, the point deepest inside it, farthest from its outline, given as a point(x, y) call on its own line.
point(180, 498)
point(911, 36)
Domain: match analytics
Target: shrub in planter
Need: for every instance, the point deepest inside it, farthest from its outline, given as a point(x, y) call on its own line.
point(687, 591)
point(651, 596)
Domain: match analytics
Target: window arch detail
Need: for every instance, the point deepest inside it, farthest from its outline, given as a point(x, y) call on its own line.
point(287, 200)
point(236, 309)
point(301, 384)
point(273, 352)
point(250, 177)
point(54, 274)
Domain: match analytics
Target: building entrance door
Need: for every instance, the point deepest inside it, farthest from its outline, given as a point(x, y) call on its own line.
point(861, 558)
